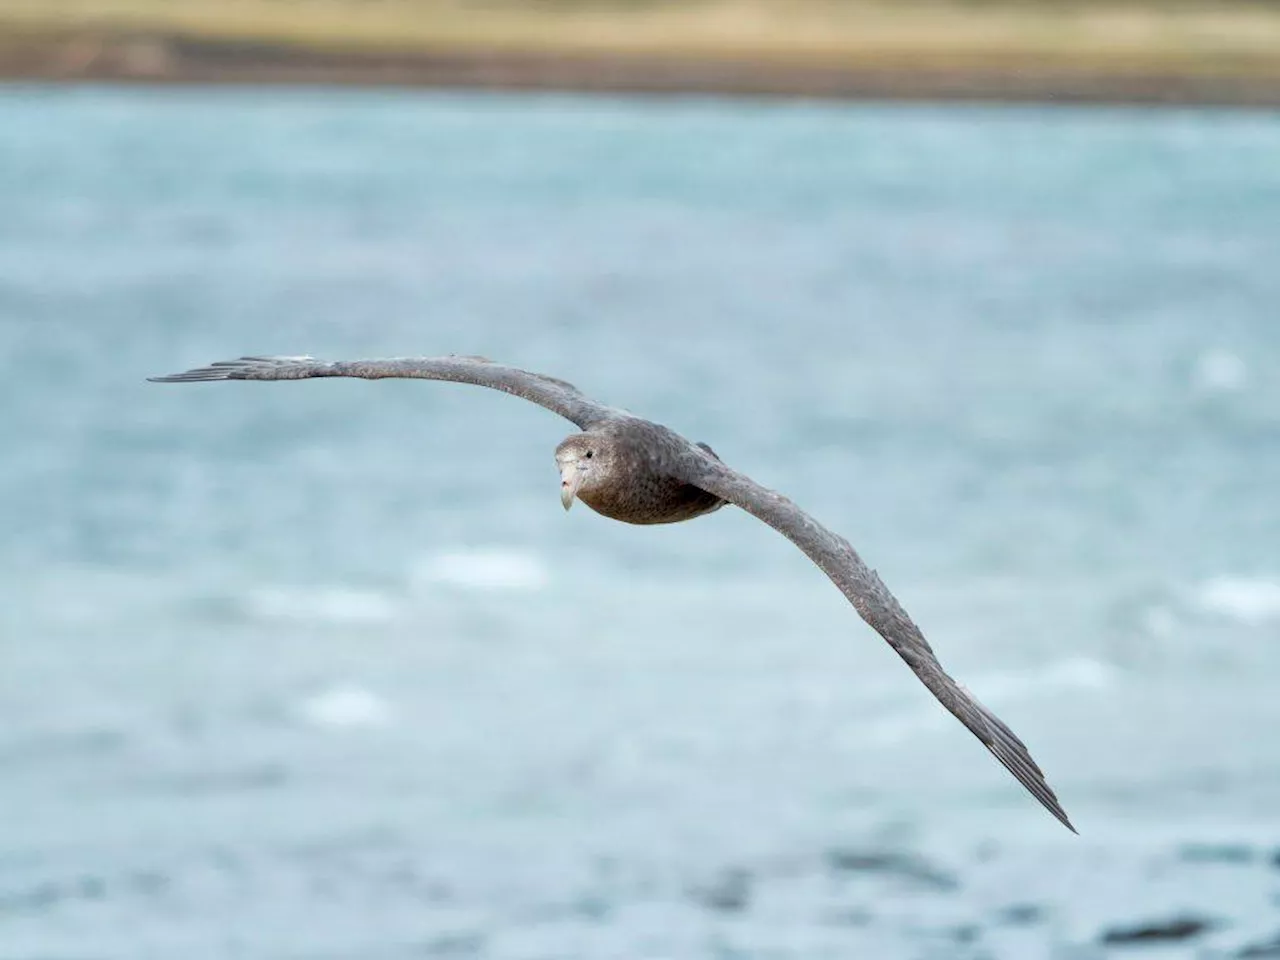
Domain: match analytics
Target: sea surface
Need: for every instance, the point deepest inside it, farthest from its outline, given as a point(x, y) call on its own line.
point(322, 670)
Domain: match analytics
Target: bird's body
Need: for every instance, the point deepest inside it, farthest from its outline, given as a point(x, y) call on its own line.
point(637, 476)
point(636, 471)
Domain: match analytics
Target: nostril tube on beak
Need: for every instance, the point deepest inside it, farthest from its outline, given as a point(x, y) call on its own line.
point(570, 480)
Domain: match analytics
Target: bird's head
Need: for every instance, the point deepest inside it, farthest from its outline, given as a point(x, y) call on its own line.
point(584, 461)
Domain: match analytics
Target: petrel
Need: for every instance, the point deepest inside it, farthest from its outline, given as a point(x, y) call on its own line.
point(637, 471)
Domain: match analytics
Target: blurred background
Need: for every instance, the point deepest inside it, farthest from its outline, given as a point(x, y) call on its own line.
point(322, 670)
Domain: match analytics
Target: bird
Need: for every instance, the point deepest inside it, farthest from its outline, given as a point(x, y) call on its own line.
point(636, 471)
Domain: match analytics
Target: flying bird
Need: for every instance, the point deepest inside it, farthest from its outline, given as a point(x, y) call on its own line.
point(637, 471)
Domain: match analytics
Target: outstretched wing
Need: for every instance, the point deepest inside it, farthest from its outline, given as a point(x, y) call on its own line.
point(556, 395)
point(876, 605)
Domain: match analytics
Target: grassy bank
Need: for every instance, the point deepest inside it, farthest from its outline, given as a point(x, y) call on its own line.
point(1170, 43)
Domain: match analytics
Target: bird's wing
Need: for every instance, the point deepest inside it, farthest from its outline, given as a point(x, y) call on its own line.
point(556, 395)
point(876, 605)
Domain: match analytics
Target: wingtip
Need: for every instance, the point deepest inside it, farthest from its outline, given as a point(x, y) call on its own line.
point(245, 368)
point(1013, 755)
point(1061, 816)
point(1055, 807)
point(190, 376)
point(1057, 812)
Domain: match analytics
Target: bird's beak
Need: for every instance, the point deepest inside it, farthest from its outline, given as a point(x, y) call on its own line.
point(570, 480)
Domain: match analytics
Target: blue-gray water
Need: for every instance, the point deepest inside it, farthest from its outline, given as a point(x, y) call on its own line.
point(322, 670)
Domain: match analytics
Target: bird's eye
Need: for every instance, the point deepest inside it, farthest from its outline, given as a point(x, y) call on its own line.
point(590, 454)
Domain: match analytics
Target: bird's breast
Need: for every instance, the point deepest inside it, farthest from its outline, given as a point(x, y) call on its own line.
point(650, 500)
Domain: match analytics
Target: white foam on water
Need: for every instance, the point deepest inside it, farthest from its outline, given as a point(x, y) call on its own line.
point(484, 568)
point(345, 705)
point(1159, 622)
point(342, 605)
point(1219, 371)
point(1249, 600)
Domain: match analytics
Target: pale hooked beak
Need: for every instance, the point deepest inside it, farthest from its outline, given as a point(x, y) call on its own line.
point(571, 473)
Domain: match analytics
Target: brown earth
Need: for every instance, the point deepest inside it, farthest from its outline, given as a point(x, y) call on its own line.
point(148, 56)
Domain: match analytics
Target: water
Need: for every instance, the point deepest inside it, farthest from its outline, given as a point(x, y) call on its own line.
point(322, 670)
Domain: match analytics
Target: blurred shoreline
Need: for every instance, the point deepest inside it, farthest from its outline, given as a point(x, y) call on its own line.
point(163, 57)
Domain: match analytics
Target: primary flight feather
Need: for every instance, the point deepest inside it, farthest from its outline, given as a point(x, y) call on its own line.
point(637, 471)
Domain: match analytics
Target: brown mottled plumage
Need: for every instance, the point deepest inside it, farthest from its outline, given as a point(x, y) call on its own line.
point(624, 479)
point(637, 471)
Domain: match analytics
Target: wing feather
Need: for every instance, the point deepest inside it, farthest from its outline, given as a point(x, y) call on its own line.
point(879, 608)
point(556, 395)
